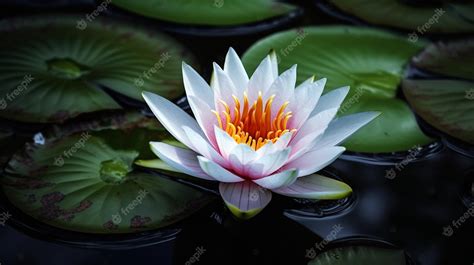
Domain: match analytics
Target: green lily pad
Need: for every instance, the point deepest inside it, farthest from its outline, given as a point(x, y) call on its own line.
point(54, 68)
point(445, 104)
point(437, 18)
point(86, 182)
point(370, 61)
point(207, 12)
point(455, 58)
point(360, 255)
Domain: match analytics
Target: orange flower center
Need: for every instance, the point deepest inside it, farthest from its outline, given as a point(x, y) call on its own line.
point(254, 125)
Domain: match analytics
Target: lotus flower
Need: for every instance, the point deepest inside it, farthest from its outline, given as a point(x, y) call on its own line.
point(257, 136)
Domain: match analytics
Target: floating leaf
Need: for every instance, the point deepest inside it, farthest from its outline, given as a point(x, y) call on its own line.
point(360, 255)
point(455, 58)
point(207, 12)
point(436, 18)
point(370, 61)
point(56, 67)
point(445, 104)
point(86, 182)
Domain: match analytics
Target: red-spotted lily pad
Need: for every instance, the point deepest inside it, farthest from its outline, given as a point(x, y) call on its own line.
point(56, 67)
point(87, 182)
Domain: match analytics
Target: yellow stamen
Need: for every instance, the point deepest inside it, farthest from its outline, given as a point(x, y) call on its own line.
point(253, 124)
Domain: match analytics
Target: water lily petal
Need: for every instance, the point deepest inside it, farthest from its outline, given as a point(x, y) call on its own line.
point(343, 127)
point(304, 101)
point(216, 171)
point(271, 147)
point(203, 147)
point(274, 63)
point(234, 68)
point(173, 118)
point(223, 89)
point(316, 187)
point(330, 100)
point(305, 83)
point(196, 86)
point(268, 164)
point(283, 86)
point(261, 79)
point(244, 199)
point(179, 158)
point(278, 180)
point(314, 127)
point(224, 142)
point(315, 159)
point(240, 157)
point(205, 118)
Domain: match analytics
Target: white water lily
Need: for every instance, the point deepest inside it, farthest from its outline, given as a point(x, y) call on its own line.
point(257, 135)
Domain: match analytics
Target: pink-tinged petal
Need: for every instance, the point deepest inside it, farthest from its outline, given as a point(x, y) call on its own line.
point(278, 180)
point(313, 128)
point(224, 142)
point(217, 172)
point(283, 87)
point(203, 147)
point(316, 187)
point(332, 99)
point(180, 159)
point(315, 160)
point(343, 127)
point(196, 86)
point(235, 70)
point(268, 164)
point(240, 157)
point(173, 118)
point(205, 118)
point(271, 147)
point(261, 79)
point(244, 199)
point(304, 102)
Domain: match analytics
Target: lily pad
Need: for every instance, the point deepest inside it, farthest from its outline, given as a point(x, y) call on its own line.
point(445, 104)
point(57, 67)
point(421, 19)
point(86, 182)
point(208, 12)
point(455, 58)
point(360, 255)
point(370, 61)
